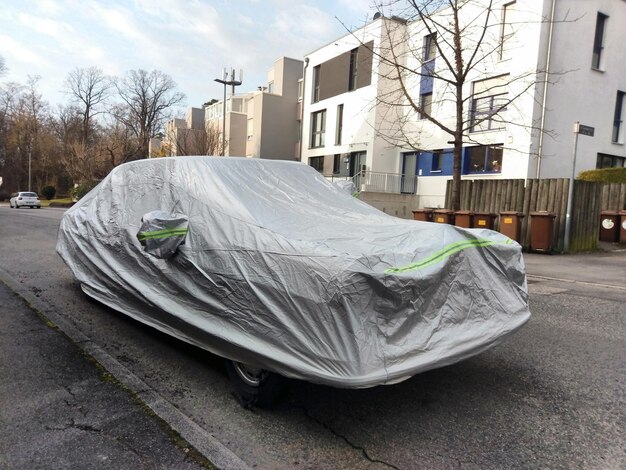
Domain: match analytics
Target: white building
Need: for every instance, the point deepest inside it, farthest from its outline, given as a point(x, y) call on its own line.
point(258, 124)
point(518, 125)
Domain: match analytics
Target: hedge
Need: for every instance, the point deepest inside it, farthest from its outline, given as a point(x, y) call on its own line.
point(604, 175)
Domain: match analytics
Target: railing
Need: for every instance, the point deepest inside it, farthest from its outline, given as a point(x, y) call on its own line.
point(378, 182)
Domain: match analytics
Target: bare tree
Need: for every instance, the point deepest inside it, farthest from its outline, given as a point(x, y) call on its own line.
point(89, 89)
point(185, 141)
point(147, 97)
point(455, 44)
point(3, 66)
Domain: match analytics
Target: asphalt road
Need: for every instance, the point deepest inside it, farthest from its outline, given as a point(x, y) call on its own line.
point(552, 396)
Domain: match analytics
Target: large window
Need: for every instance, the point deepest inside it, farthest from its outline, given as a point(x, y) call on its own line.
point(318, 128)
point(437, 160)
point(317, 163)
point(489, 98)
point(618, 131)
point(430, 47)
point(484, 159)
point(354, 57)
point(610, 161)
point(598, 41)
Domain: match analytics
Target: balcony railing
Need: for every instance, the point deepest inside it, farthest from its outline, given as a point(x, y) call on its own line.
point(379, 182)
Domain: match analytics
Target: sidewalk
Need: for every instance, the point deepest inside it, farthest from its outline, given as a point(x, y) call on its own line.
point(58, 410)
point(606, 268)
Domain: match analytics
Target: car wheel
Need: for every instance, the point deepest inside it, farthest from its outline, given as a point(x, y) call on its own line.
point(253, 386)
point(38, 207)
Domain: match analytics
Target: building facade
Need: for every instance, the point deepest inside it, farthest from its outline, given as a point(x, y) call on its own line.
point(377, 101)
point(258, 124)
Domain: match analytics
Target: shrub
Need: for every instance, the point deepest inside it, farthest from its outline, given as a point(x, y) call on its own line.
point(604, 175)
point(82, 189)
point(48, 192)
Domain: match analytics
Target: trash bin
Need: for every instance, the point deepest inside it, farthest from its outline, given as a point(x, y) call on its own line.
point(609, 226)
point(511, 224)
point(443, 216)
point(463, 219)
point(483, 220)
point(622, 230)
point(541, 229)
point(425, 215)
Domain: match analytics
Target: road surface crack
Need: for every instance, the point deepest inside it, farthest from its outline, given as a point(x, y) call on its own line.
point(345, 439)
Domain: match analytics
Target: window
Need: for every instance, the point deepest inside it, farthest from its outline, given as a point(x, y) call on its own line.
point(506, 30)
point(316, 84)
point(339, 124)
point(336, 164)
point(250, 128)
point(437, 157)
point(354, 56)
point(426, 101)
point(270, 87)
point(484, 159)
point(489, 98)
point(318, 128)
point(598, 41)
point(300, 82)
point(317, 163)
point(618, 136)
point(610, 161)
point(430, 47)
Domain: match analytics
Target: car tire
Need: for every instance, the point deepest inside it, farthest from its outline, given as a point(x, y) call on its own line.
point(254, 387)
point(38, 207)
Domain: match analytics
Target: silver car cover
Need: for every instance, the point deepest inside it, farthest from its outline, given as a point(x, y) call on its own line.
point(281, 269)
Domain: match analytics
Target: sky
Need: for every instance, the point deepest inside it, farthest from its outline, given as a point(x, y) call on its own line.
point(190, 40)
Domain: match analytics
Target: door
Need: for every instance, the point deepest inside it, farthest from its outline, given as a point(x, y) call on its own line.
point(409, 171)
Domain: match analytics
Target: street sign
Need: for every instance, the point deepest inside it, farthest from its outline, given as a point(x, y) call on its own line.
point(584, 130)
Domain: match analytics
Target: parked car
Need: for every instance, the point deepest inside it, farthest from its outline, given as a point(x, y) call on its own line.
point(272, 267)
point(24, 199)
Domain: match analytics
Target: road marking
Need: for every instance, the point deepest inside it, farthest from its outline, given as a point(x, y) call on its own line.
point(571, 281)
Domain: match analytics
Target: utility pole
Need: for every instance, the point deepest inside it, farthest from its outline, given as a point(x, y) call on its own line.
point(233, 83)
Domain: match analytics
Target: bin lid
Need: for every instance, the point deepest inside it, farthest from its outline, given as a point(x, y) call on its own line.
point(485, 214)
point(443, 211)
point(421, 211)
point(464, 213)
point(543, 214)
point(518, 214)
point(609, 213)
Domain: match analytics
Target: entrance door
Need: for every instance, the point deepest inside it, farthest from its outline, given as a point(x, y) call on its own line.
point(409, 171)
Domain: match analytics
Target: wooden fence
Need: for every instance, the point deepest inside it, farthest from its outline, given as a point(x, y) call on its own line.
point(550, 195)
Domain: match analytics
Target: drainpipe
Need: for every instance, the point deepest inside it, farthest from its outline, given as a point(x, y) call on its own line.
point(306, 64)
point(545, 91)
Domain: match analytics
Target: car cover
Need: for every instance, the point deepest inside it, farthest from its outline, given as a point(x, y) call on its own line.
point(280, 269)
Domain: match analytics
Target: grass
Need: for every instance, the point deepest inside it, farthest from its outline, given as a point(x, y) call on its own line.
point(46, 203)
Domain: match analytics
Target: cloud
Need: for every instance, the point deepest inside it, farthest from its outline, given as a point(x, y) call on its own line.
point(45, 26)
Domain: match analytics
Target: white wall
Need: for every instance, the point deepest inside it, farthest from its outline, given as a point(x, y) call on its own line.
point(581, 93)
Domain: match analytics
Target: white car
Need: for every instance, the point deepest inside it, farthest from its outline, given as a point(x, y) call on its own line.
point(24, 199)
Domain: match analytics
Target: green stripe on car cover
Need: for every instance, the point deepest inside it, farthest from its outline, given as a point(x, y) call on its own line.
point(446, 252)
point(175, 232)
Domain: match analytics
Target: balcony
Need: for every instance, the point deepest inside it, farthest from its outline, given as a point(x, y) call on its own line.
point(379, 182)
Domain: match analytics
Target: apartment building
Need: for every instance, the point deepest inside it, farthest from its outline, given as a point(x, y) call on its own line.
point(379, 120)
point(258, 124)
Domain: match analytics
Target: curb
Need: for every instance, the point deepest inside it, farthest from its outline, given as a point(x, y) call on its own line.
point(211, 448)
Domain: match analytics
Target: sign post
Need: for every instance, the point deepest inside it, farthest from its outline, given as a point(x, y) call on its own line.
point(582, 130)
